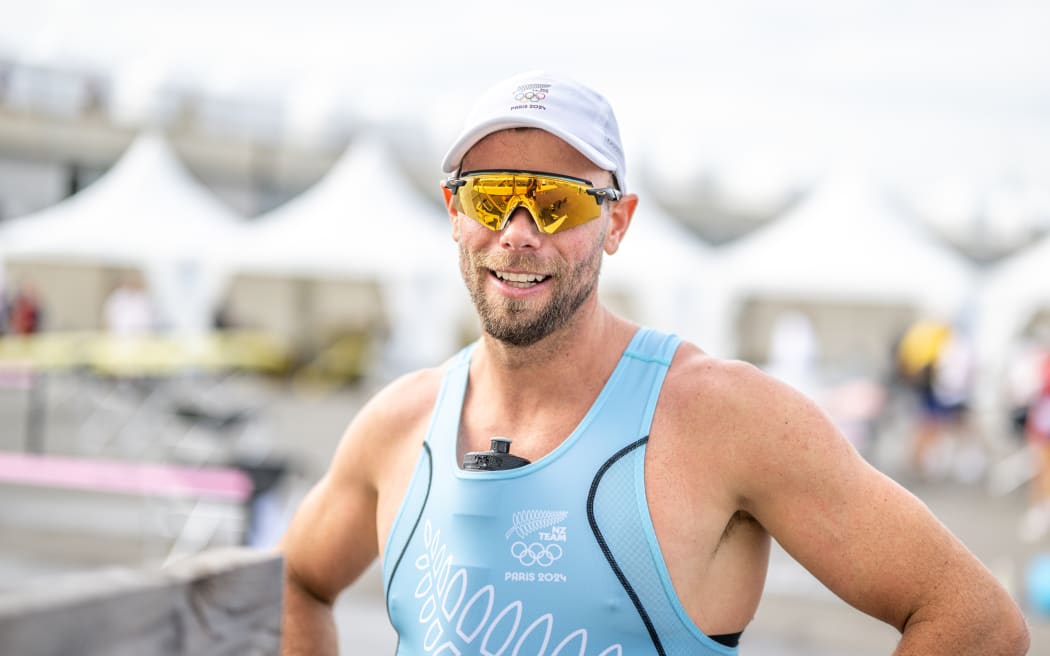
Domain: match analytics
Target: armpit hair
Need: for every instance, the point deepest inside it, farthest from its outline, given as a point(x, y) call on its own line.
point(739, 519)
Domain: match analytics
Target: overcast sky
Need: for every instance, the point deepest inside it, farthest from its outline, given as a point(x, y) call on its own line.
point(916, 90)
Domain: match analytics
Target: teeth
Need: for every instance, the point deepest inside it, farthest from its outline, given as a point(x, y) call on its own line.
point(520, 280)
point(519, 277)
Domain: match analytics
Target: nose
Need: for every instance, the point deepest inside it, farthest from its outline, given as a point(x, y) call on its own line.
point(520, 231)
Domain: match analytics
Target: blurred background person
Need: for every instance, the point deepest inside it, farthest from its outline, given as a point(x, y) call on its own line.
point(128, 310)
point(1036, 521)
point(794, 352)
point(936, 362)
point(222, 318)
point(26, 312)
point(5, 306)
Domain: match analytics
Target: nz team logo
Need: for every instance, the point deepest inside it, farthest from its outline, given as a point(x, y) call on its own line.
point(539, 537)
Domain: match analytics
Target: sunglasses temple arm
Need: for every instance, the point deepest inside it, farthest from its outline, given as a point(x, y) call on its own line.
point(604, 194)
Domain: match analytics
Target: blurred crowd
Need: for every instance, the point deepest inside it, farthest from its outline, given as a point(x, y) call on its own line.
point(936, 364)
point(128, 309)
point(927, 403)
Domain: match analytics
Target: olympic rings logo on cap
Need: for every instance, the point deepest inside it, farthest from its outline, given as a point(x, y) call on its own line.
point(536, 553)
point(531, 95)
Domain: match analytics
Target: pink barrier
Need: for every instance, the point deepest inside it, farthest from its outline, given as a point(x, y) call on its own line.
point(126, 477)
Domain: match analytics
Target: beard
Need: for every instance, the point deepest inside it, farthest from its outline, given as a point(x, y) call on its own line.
point(517, 321)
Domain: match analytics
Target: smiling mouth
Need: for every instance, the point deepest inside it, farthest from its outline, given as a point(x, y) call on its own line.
point(520, 280)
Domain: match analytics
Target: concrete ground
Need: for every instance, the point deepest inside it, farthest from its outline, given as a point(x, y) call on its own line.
point(797, 616)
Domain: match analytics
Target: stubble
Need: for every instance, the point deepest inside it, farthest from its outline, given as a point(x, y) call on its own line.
point(519, 322)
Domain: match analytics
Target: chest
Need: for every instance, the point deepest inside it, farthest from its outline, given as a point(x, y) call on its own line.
point(510, 558)
point(534, 432)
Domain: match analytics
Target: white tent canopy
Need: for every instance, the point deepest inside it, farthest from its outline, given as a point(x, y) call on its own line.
point(844, 244)
point(361, 219)
point(147, 213)
point(1014, 291)
point(663, 267)
point(365, 221)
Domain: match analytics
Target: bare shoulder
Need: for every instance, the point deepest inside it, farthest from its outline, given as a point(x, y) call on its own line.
point(750, 422)
point(732, 395)
point(700, 377)
point(405, 401)
point(396, 417)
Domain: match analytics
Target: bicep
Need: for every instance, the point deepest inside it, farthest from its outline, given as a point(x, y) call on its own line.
point(331, 539)
point(863, 535)
point(334, 536)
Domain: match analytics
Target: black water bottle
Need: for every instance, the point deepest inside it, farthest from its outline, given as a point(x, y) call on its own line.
point(497, 458)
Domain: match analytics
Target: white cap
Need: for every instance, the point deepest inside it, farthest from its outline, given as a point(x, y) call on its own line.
point(567, 109)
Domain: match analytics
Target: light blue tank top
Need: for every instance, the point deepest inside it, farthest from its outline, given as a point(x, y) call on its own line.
point(558, 557)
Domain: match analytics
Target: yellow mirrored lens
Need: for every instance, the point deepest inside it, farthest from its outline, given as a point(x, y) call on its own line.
point(553, 203)
point(565, 206)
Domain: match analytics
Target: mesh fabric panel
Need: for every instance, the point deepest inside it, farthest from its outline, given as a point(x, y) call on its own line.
point(617, 517)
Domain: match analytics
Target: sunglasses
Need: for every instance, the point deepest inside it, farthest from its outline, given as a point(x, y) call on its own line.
point(556, 202)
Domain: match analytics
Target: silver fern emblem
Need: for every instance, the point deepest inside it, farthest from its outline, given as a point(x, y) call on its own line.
point(530, 521)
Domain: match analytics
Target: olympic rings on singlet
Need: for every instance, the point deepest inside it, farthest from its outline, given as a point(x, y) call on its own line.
point(536, 553)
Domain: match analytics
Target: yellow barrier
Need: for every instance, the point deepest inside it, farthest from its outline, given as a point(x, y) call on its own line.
point(145, 355)
point(343, 360)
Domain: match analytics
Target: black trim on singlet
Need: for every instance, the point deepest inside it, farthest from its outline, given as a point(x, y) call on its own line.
point(608, 553)
point(727, 639)
point(397, 563)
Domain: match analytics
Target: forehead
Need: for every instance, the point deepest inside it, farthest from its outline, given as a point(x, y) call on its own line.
point(531, 149)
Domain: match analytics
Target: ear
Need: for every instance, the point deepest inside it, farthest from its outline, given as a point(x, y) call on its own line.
point(453, 215)
point(620, 214)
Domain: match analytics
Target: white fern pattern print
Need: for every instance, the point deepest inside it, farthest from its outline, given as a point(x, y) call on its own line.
point(526, 522)
point(461, 622)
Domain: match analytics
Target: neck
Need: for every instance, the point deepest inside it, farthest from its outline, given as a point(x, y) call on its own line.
point(568, 361)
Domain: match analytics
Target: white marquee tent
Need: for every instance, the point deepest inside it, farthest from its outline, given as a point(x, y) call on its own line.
point(363, 221)
point(842, 244)
point(147, 213)
point(662, 268)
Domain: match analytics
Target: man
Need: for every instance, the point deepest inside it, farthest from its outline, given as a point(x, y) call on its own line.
point(634, 512)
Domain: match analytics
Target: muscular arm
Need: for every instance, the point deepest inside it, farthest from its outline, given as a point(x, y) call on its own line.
point(335, 534)
point(330, 541)
point(865, 537)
